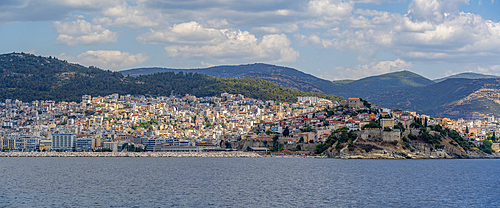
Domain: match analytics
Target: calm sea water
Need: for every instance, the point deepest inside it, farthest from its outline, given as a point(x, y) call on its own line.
point(247, 182)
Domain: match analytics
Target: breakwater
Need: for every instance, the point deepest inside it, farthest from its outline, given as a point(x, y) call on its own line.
point(129, 154)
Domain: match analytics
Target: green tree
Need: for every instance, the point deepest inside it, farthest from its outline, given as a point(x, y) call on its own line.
point(286, 132)
point(301, 140)
point(371, 125)
point(400, 126)
point(486, 146)
point(276, 144)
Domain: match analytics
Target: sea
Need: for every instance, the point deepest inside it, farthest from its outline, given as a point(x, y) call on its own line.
point(247, 182)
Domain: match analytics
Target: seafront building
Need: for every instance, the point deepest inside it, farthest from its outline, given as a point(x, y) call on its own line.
point(109, 122)
point(188, 123)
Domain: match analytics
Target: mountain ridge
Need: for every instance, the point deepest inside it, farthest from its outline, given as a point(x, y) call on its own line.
point(467, 75)
point(452, 98)
point(28, 77)
point(284, 76)
point(295, 79)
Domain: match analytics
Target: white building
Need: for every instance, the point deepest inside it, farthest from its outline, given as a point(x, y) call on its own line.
point(65, 142)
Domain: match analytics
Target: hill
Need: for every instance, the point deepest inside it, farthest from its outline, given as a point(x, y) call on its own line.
point(467, 75)
point(297, 80)
point(28, 77)
point(382, 83)
point(284, 76)
point(452, 98)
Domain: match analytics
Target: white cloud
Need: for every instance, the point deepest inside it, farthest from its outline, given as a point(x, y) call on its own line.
point(433, 10)
point(193, 41)
point(463, 38)
point(216, 23)
point(82, 4)
point(205, 64)
point(330, 8)
point(282, 28)
point(31, 51)
point(493, 69)
point(83, 32)
point(325, 13)
point(114, 60)
point(185, 33)
point(434, 31)
point(124, 15)
point(445, 35)
point(374, 68)
point(356, 41)
point(49, 10)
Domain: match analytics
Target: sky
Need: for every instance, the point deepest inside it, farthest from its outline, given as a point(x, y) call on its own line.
point(330, 39)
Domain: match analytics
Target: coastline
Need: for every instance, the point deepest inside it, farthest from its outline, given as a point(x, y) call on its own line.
point(237, 155)
point(129, 154)
point(153, 154)
point(385, 154)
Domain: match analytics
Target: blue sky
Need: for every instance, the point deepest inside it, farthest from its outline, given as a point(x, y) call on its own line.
point(331, 39)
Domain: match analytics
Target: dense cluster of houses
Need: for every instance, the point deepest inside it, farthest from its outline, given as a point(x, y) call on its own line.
point(188, 123)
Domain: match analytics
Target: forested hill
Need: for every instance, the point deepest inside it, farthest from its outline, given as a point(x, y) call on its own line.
point(203, 85)
point(28, 77)
point(467, 75)
point(452, 98)
point(284, 76)
point(297, 80)
point(373, 85)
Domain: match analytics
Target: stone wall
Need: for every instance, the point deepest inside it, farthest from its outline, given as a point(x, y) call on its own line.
point(242, 145)
point(495, 147)
point(387, 136)
point(415, 132)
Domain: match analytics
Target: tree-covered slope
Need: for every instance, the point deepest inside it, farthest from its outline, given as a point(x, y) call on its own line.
point(467, 75)
point(27, 77)
point(383, 83)
point(284, 76)
point(203, 85)
point(449, 98)
point(297, 80)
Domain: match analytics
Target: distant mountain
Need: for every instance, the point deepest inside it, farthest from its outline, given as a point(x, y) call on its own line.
point(382, 83)
point(343, 81)
point(452, 98)
point(28, 77)
point(284, 76)
point(467, 75)
point(295, 79)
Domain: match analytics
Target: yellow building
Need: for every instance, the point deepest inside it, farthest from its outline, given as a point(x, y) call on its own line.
point(495, 147)
point(387, 122)
point(45, 145)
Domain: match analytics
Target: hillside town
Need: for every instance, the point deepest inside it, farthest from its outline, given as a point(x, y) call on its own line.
point(127, 123)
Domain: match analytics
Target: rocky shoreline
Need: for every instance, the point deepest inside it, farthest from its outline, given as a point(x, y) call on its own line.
point(395, 154)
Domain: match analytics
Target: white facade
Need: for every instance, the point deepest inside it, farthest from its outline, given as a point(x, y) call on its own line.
point(63, 141)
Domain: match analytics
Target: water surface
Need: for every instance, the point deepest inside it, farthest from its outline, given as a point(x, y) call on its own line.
point(247, 182)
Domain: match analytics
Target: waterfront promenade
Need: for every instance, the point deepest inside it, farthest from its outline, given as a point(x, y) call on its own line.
point(129, 154)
